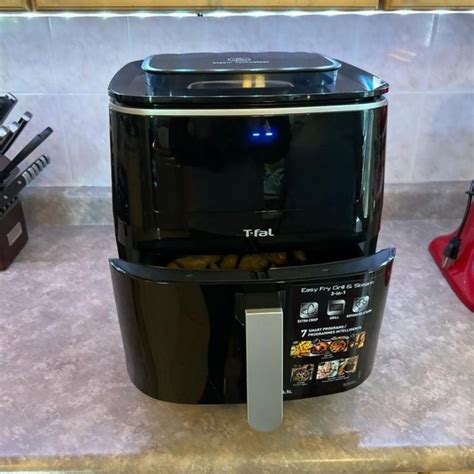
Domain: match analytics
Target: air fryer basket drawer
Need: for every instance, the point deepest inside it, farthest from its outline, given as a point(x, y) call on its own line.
point(184, 332)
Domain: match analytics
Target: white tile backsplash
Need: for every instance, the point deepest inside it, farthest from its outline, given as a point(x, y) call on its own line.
point(397, 48)
point(247, 34)
point(335, 36)
point(155, 35)
point(452, 63)
point(90, 159)
point(86, 52)
point(60, 69)
point(25, 55)
point(445, 148)
point(403, 121)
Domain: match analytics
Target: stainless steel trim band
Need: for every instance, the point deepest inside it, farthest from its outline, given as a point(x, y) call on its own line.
point(256, 112)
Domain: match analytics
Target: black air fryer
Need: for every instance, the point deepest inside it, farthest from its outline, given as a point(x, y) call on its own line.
point(247, 196)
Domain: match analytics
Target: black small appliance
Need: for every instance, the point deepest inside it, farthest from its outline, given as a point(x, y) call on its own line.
point(247, 197)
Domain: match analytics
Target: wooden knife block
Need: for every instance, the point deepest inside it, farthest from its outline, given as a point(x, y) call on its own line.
point(13, 231)
point(13, 234)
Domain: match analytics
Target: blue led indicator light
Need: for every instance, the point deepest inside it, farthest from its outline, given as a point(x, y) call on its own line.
point(262, 134)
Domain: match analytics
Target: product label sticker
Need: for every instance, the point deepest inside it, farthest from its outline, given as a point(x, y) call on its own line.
point(331, 332)
point(14, 234)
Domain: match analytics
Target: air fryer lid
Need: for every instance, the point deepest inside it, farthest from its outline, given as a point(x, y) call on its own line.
point(230, 79)
point(275, 62)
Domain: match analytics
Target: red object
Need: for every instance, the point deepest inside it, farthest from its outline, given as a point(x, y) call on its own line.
point(460, 275)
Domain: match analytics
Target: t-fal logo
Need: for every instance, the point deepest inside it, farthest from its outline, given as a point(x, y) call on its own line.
point(259, 233)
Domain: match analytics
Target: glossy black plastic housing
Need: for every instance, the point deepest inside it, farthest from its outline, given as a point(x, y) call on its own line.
point(242, 153)
point(219, 79)
point(184, 333)
point(195, 184)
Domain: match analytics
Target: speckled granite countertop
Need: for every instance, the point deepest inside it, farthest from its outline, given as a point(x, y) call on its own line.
point(66, 401)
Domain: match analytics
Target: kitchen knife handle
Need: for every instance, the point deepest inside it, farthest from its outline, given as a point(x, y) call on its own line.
point(7, 102)
point(264, 355)
point(16, 128)
point(27, 150)
point(6, 133)
point(11, 129)
point(15, 186)
point(35, 169)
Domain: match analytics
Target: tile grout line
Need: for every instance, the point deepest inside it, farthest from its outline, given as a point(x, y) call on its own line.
point(417, 139)
point(58, 105)
point(129, 37)
point(357, 40)
point(60, 111)
point(51, 54)
point(434, 34)
point(66, 142)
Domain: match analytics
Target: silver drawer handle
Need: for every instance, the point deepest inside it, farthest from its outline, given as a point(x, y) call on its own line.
point(264, 347)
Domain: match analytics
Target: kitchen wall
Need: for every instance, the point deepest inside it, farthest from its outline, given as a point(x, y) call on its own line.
point(60, 68)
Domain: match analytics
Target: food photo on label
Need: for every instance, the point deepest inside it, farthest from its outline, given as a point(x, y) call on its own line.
point(339, 345)
point(348, 366)
point(301, 349)
point(302, 373)
point(327, 369)
point(319, 347)
point(359, 340)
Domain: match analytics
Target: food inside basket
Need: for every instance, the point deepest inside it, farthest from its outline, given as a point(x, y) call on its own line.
point(256, 262)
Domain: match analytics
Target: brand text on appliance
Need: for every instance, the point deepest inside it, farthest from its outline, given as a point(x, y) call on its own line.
point(259, 233)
